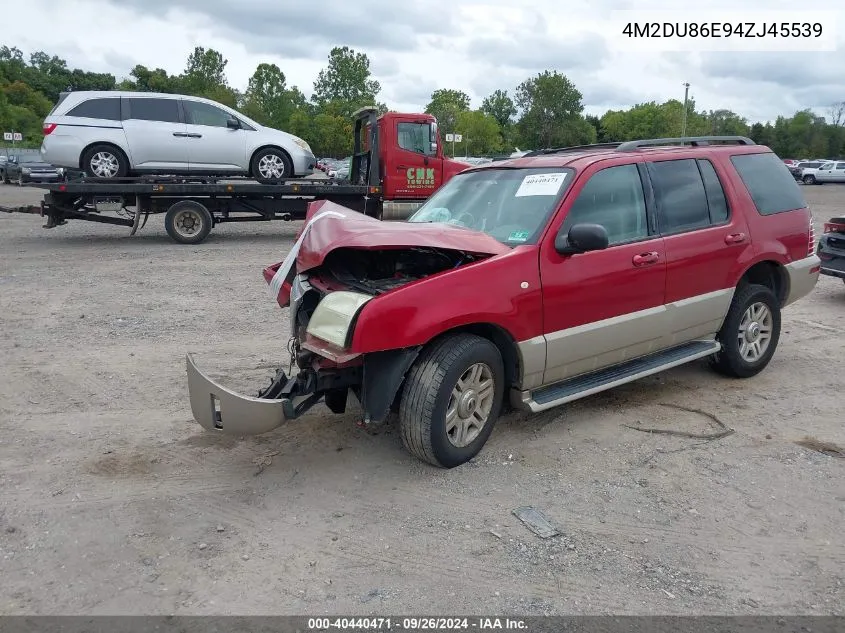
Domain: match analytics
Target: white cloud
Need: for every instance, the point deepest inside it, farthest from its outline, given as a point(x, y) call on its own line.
point(473, 45)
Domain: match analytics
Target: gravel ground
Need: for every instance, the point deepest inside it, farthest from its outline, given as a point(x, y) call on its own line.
point(115, 501)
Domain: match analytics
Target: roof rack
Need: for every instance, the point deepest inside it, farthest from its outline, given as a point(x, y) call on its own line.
point(695, 141)
point(574, 148)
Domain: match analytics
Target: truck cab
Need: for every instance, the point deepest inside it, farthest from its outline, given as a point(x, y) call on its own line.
point(402, 154)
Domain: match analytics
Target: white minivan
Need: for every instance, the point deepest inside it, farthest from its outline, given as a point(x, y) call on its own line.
point(115, 134)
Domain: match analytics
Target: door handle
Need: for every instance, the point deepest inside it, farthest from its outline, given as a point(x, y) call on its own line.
point(194, 135)
point(644, 259)
point(735, 238)
point(401, 167)
point(179, 134)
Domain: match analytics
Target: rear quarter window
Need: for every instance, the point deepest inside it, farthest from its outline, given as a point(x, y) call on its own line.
point(772, 187)
point(106, 108)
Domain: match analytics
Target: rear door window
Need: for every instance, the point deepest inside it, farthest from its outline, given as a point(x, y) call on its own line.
point(681, 196)
point(152, 109)
point(107, 108)
point(771, 186)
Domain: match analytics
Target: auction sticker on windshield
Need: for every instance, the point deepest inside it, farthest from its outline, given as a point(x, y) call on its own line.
point(540, 185)
point(519, 236)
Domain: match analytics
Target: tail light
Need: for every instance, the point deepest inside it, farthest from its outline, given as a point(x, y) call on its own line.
point(48, 128)
point(835, 226)
point(811, 245)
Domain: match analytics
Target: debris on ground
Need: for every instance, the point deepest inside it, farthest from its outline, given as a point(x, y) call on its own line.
point(263, 461)
point(825, 448)
point(696, 436)
point(536, 521)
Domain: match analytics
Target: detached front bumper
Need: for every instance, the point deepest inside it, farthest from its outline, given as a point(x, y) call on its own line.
point(217, 408)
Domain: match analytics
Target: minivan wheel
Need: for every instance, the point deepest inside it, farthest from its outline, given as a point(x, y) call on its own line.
point(809, 179)
point(105, 161)
point(749, 334)
point(271, 166)
point(451, 400)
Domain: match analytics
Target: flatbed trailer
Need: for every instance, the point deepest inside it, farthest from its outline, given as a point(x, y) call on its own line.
point(193, 205)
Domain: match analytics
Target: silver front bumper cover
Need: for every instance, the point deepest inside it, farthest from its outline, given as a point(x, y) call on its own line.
point(217, 408)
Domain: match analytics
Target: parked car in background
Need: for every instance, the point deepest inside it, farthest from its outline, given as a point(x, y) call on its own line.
point(826, 172)
point(797, 170)
point(23, 171)
point(831, 248)
point(340, 169)
point(113, 134)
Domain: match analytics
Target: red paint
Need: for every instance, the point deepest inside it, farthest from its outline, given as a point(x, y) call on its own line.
point(563, 291)
point(398, 163)
point(357, 230)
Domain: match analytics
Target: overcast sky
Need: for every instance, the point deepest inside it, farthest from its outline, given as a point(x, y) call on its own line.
point(415, 48)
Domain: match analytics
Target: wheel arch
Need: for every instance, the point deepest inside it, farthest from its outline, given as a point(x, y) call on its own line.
point(269, 146)
point(88, 147)
point(768, 273)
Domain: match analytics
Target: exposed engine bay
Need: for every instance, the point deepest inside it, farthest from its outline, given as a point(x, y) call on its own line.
point(378, 271)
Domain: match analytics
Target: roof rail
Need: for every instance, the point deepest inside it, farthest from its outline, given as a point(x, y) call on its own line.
point(695, 141)
point(573, 148)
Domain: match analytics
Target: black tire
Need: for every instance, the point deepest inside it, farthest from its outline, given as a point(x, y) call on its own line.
point(256, 168)
point(188, 222)
point(5, 178)
point(729, 361)
point(809, 179)
point(102, 151)
point(19, 181)
point(428, 390)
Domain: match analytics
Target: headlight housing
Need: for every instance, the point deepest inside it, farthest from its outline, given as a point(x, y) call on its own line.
point(303, 144)
point(335, 315)
point(26, 170)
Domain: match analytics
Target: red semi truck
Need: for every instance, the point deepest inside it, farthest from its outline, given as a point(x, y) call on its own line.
point(397, 162)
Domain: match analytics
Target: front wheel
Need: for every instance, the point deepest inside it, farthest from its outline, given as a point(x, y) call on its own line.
point(750, 333)
point(271, 166)
point(451, 400)
point(809, 179)
point(188, 222)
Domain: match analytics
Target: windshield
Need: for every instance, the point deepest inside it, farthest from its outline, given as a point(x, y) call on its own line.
point(511, 205)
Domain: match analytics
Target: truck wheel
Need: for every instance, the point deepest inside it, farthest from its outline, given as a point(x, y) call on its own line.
point(451, 399)
point(809, 179)
point(188, 222)
point(749, 334)
point(271, 166)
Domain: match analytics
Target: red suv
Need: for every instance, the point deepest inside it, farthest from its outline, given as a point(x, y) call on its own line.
point(535, 282)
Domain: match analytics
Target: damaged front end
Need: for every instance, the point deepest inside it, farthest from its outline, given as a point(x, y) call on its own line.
point(325, 282)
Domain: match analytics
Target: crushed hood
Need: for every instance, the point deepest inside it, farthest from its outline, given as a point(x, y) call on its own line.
point(330, 226)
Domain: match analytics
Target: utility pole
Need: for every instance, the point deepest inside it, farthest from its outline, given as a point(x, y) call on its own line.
point(686, 98)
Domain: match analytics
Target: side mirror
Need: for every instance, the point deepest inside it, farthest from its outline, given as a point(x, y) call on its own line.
point(581, 239)
point(233, 124)
point(434, 147)
point(432, 133)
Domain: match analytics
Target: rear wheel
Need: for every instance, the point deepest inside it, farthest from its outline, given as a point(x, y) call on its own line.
point(188, 222)
point(750, 333)
point(451, 400)
point(105, 161)
point(271, 166)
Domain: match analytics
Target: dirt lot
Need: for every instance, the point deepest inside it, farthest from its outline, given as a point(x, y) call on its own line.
point(115, 501)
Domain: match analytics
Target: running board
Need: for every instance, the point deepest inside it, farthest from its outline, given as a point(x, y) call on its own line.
point(594, 382)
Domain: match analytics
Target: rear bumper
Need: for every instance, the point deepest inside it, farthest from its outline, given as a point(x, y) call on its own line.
point(803, 276)
point(217, 408)
point(832, 257)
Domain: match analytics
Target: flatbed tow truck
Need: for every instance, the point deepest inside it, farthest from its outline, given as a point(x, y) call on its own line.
point(397, 163)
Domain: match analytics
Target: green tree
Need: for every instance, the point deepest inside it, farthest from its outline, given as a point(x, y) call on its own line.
point(445, 105)
point(267, 98)
point(346, 82)
point(501, 107)
point(727, 123)
point(551, 112)
point(481, 132)
point(142, 79)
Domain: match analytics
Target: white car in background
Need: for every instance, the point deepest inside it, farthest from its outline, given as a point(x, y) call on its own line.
point(114, 134)
point(827, 172)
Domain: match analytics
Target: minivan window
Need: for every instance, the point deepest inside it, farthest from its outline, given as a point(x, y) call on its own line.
point(772, 187)
point(151, 109)
point(681, 197)
point(198, 113)
point(107, 108)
